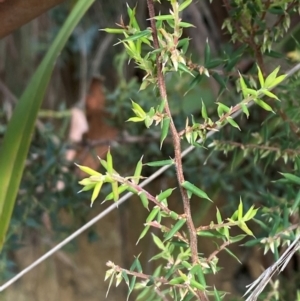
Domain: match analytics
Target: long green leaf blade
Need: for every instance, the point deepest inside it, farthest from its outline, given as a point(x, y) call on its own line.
point(21, 126)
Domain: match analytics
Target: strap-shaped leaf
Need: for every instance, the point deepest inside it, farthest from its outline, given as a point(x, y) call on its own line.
point(21, 126)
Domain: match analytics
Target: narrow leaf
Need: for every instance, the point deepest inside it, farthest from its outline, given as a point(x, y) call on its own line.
point(232, 255)
point(243, 86)
point(271, 77)
point(165, 194)
point(138, 171)
point(195, 190)
point(96, 192)
point(144, 200)
point(158, 242)
point(268, 93)
point(88, 170)
point(292, 178)
point(260, 77)
point(264, 105)
point(245, 228)
point(175, 229)
point(219, 217)
point(113, 30)
point(152, 214)
point(232, 122)
point(160, 163)
point(240, 211)
point(165, 130)
point(109, 161)
point(184, 5)
point(245, 110)
point(203, 111)
point(144, 232)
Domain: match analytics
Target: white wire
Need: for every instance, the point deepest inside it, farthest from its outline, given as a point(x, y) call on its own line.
point(116, 204)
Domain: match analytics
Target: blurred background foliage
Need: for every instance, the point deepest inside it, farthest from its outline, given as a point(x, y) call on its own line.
point(233, 163)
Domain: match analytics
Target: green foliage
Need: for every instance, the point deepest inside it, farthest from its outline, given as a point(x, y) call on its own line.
point(255, 159)
point(183, 276)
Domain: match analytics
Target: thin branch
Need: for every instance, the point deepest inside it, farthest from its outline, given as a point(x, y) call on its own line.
point(248, 40)
point(141, 275)
point(138, 188)
point(216, 252)
point(281, 17)
point(177, 147)
point(165, 229)
point(292, 152)
point(294, 128)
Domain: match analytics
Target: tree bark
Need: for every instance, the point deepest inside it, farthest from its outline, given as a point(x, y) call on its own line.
point(15, 13)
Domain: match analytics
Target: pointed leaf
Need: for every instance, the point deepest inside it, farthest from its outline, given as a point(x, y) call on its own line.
point(160, 163)
point(264, 105)
point(175, 229)
point(165, 130)
point(250, 214)
point(158, 242)
point(268, 93)
point(96, 192)
point(232, 255)
point(165, 194)
point(245, 228)
point(271, 77)
point(260, 77)
point(152, 214)
point(232, 122)
point(245, 110)
point(240, 211)
point(144, 200)
point(292, 178)
point(203, 111)
point(138, 171)
point(219, 217)
point(195, 190)
point(184, 5)
point(144, 232)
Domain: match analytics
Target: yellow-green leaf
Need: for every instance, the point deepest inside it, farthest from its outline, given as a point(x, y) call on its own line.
point(245, 228)
point(260, 77)
point(96, 192)
point(88, 170)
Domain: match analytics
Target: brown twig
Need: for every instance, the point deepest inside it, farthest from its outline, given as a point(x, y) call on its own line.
point(248, 40)
point(141, 275)
point(294, 128)
point(216, 252)
point(288, 151)
point(281, 17)
point(157, 225)
point(177, 147)
point(149, 196)
point(216, 226)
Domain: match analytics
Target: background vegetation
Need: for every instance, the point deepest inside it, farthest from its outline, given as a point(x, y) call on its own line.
point(243, 163)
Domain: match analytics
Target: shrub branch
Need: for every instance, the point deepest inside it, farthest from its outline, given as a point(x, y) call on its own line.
point(177, 147)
